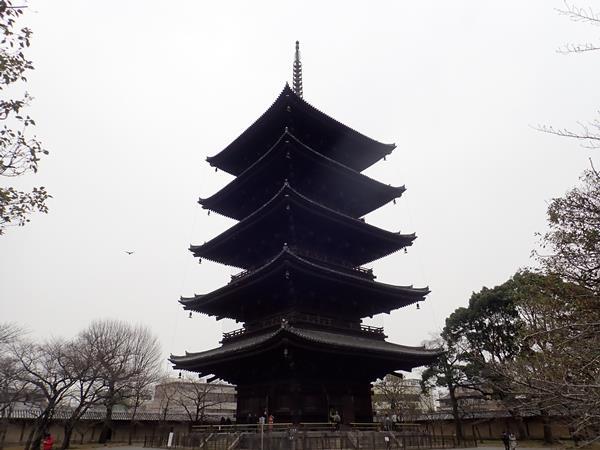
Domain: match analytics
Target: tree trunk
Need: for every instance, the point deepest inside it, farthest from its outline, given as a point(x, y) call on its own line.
point(36, 442)
point(2, 437)
point(35, 438)
point(455, 414)
point(29, 438)
point(68, 428)
point(3, 428)
point(132, 426)
point(548, 438)
point(106, 432)
point(132, 421)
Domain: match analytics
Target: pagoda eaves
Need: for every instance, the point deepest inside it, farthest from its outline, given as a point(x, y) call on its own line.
point(310, 173)
point(265, 290)
point(314, 227)
point(378, 357)
point(316, 129)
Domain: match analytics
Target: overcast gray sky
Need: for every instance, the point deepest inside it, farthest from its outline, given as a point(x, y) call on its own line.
point(132, 96)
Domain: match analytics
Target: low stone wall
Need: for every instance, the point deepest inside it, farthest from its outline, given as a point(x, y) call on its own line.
point(492, 428)
point(18, 431)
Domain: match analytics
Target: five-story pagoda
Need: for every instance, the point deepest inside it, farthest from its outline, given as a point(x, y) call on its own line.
point(299, 197)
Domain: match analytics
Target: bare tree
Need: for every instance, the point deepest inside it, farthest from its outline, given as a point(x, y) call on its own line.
point(87, 391)
point(581, 14)
point(142, 386)
point(430, 412)
point(12, 390)
point(166, 394)
point(398, 396)
point(125, 353)
point(447, 372)
point(195, 396)
point(12, 386)
point(588, 132)
point(50, 367)
point(9, 332)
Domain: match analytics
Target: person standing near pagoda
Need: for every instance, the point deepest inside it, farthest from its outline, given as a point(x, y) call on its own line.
point(505, 440)
point(512, 441)
point(337, 420)
point(387, 423)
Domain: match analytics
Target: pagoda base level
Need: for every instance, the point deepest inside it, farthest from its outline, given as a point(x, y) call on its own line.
point(298, 401)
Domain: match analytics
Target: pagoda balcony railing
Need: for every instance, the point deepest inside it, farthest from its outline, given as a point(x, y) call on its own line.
point(239, 276)
point(370, 329)
point(335, 264)
point(295, 317)
point(234, 333)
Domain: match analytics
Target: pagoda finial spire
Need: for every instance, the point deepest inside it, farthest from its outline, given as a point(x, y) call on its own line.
point(297, 83)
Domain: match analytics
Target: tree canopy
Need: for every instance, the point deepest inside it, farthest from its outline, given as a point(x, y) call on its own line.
point(573, 238)
point(532, 342)
point(20, 152)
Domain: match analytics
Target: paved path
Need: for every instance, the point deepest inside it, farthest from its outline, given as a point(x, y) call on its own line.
point(501, 447)
point(127, 447)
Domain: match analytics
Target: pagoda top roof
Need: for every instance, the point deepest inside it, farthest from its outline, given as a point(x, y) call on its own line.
point(371, 297)
point(239, 198)
point(337, 140)
point(254, 232)
point(326, 340)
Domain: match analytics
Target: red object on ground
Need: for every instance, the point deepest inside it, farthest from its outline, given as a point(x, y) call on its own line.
point(48, 443)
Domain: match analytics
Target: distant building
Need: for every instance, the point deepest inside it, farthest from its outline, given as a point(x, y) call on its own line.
point(401, 398)
point(469, 402)
point(200, 401)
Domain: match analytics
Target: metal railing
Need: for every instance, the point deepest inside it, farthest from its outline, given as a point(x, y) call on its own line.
point(303, 437)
